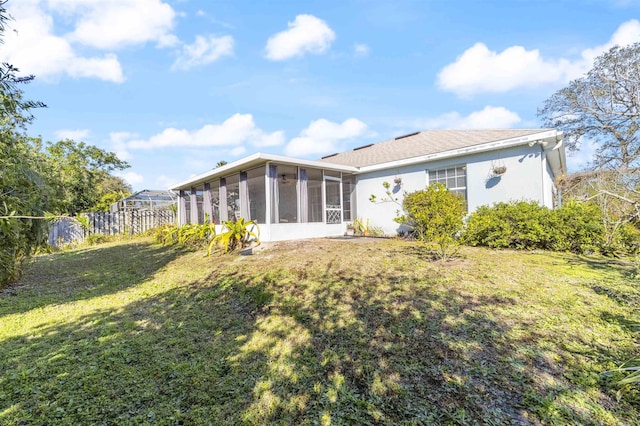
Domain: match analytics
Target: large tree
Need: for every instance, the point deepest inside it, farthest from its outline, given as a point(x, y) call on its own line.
point(23, 187)
point(80, 175)
point(604, 107)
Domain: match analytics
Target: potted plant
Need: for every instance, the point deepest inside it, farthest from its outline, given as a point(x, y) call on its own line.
point(499, 170)
point(351, 230)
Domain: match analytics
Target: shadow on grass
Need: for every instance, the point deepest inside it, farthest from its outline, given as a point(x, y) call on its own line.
point(602, 264)
point(344, 348)
point(159, 360)
point(77, 275)
point(266, 343)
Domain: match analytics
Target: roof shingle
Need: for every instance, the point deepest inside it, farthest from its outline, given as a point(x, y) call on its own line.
point(423, 143)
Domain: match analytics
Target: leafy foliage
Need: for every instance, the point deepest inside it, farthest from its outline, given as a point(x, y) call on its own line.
point(236, 235)
point(78, 172)
point(111, 189)
point(435, 215)
point(23, 187)
point(190, 236)
point(575, 227)
point(603, 106)
point(106, 200)
point(363, 228)
point(23, 192)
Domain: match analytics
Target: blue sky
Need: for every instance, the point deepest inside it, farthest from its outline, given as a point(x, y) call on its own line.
point(174, 86)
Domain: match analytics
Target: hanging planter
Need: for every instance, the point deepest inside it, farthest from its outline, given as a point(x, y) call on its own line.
point(397, 180)
point(499, 170)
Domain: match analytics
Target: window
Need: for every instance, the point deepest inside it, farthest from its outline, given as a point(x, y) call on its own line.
point(233, 197)
point(454, 178)
point(287, 194)
point(189, 208)
point(199, 198)
point(348, 187)
point(214, 188)
point(314, 194)
point(257, 199)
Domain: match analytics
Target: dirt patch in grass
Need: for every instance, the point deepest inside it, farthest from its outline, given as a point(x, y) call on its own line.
point(329, 331)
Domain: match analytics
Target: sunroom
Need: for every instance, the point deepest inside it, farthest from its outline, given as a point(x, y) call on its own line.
point(288, 198)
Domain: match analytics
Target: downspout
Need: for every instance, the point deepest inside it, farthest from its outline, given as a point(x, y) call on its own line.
point(543, 169)
point(559, 197)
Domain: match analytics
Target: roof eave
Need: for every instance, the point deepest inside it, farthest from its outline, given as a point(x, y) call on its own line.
point(484, 147)
point(255, 160)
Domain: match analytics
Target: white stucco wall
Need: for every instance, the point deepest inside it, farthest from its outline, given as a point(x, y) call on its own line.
point(296, 231)
point(527, 178)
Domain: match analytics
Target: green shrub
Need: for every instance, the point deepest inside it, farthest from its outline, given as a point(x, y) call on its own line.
point(191, 236)
point(526, 225)
point(236, 235)
point(576, 227)
point(435, 215)
point(363, 228)
point(626, 240)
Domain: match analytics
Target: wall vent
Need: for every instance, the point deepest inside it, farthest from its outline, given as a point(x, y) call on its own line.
point(406, 136)
point(363, 147)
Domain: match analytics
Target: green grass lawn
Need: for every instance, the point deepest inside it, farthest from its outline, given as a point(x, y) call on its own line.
point(317, 332)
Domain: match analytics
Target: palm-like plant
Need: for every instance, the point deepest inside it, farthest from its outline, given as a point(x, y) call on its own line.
point(236, 235)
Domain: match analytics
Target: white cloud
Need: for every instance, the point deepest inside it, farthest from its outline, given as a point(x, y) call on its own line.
point(323, 136)
point(118, 143)
point(164, 181)
point(580, 159)
point(261, 139)
point(480, 69)
point(203, 51)
point(237, 151)
point(361, 50)
point(49, 34)
point(113, 24)
point(33, 48)
point(132, 178)
point(627, 33)
point(489, 117)
point(306, 34)
point(233, 132)
point(73, 134)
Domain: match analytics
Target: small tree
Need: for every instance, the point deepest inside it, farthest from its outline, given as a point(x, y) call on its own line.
point(435, 216)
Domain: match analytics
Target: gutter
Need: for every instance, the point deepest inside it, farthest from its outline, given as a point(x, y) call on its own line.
point(490, 146)
point(257, 159)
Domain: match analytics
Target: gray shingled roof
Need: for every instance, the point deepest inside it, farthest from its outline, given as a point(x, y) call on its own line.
point(424, 143)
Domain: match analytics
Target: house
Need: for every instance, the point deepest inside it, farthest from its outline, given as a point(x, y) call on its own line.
point(292, 198)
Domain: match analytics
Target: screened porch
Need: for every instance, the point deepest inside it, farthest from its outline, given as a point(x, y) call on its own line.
point(284, 199)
